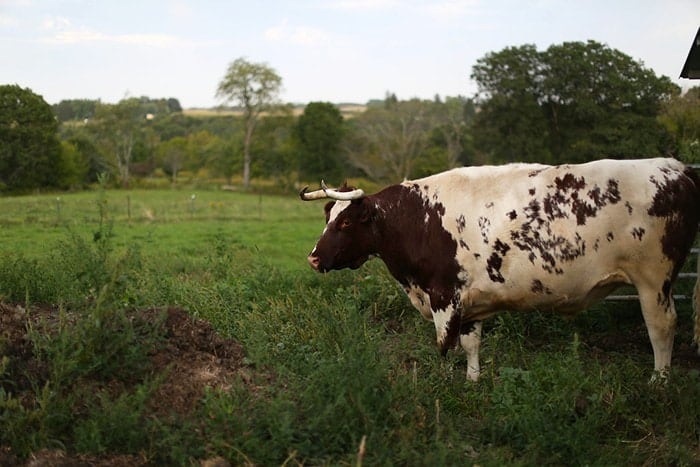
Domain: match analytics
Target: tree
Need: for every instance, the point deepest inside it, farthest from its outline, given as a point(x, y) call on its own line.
point(117, 127)
point(681, 117)
point(319, 131)
point(571, 103)
point(255, 87)
point(386, 142)
point(30, 151)
point(510, 125)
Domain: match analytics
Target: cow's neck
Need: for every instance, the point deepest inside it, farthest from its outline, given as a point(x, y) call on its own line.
point(411, 241)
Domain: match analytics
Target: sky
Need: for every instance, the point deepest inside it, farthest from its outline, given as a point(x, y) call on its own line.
point(339, 51)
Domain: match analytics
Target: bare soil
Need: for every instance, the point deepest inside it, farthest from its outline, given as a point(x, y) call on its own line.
point(192, 357)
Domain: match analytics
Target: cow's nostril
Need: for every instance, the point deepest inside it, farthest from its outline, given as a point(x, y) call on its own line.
point(314, 261)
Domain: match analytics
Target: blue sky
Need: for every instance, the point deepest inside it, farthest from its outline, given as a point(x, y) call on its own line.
point(335, 50)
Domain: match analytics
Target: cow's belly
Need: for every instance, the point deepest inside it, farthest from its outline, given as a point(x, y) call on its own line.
point(566, 295)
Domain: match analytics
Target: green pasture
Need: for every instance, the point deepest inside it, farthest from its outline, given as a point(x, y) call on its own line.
point(332, 358)
point(165, 223)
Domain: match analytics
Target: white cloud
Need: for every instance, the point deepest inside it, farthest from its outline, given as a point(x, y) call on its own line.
point(180, 9)
point(365, 4)
point(449, 9)
point(300, 35)
point(55, 23)
point(88, 36)
point(8, 21)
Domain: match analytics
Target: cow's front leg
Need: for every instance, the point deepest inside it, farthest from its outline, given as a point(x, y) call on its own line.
point(470, 339)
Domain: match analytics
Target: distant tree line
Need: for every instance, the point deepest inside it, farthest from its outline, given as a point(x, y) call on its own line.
point(572, 102)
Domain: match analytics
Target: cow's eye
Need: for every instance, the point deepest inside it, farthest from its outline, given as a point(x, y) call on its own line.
point(345, 223)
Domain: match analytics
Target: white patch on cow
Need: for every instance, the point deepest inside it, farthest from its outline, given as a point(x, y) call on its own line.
point(441, 319)
point(426, 219)
point(337, 208)
point(420, 301)
point(471, 343)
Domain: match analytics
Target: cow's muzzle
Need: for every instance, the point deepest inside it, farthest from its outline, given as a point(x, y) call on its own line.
point(314, 262)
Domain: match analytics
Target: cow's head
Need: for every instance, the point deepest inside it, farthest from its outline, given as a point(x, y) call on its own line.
point(347, 241)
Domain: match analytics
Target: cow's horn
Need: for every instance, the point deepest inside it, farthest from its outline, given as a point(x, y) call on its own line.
point(342, 195)
point(306, 196)
point(326, 192)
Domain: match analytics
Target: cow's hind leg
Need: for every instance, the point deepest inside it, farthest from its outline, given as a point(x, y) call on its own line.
point(470, 339)
point(660, 318)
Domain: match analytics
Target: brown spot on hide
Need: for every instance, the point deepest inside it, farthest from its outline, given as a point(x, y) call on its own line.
point(677, 199)
point(493, 268)
point(638, 233)
point(539, 288)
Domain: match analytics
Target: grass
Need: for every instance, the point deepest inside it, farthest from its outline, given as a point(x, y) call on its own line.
point(350, 357)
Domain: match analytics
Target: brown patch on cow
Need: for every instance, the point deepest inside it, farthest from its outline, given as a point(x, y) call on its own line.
point(493, 267)
point(461, 223)
point(500, 247)
point(569, 182)
point(610, 236)
point(484, 228)
point(466, 327)
point(664, 296)
point(629, 208)
point(539, 288)
point(567, 197)
point(404, 248)
point(536, 236)
point(512, 215)
point(677, 199)
point(463, 244)
point(638, 233)
point(531, 191)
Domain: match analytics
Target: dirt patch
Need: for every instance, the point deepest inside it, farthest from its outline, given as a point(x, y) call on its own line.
point(191, 356)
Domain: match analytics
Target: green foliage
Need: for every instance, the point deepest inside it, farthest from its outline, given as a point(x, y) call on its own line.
point(319, 131)
point(681, 117)
point(30, 152)
point(573, 102)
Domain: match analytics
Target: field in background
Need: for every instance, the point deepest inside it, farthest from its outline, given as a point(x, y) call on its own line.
point(329, 360)
point(346, 110)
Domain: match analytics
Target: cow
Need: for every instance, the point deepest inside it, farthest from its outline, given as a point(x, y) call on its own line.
point(472, 241)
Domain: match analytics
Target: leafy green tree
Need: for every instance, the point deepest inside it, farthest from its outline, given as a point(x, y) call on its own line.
point(173, 155)
point(73, 167)
point(571, 103)
point(75, 109)
point(276, 149)
point(254, 87)
point(681, 117)
point(319, 131)
point(510, 125)
point(30, 151)
point(117, 127)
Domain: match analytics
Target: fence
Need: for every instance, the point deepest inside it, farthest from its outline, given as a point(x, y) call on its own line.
point(681, 276)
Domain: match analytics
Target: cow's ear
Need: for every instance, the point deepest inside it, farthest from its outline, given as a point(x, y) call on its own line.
point(368, 210)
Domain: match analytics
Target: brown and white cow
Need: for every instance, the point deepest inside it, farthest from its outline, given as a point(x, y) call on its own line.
point(469, 242)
